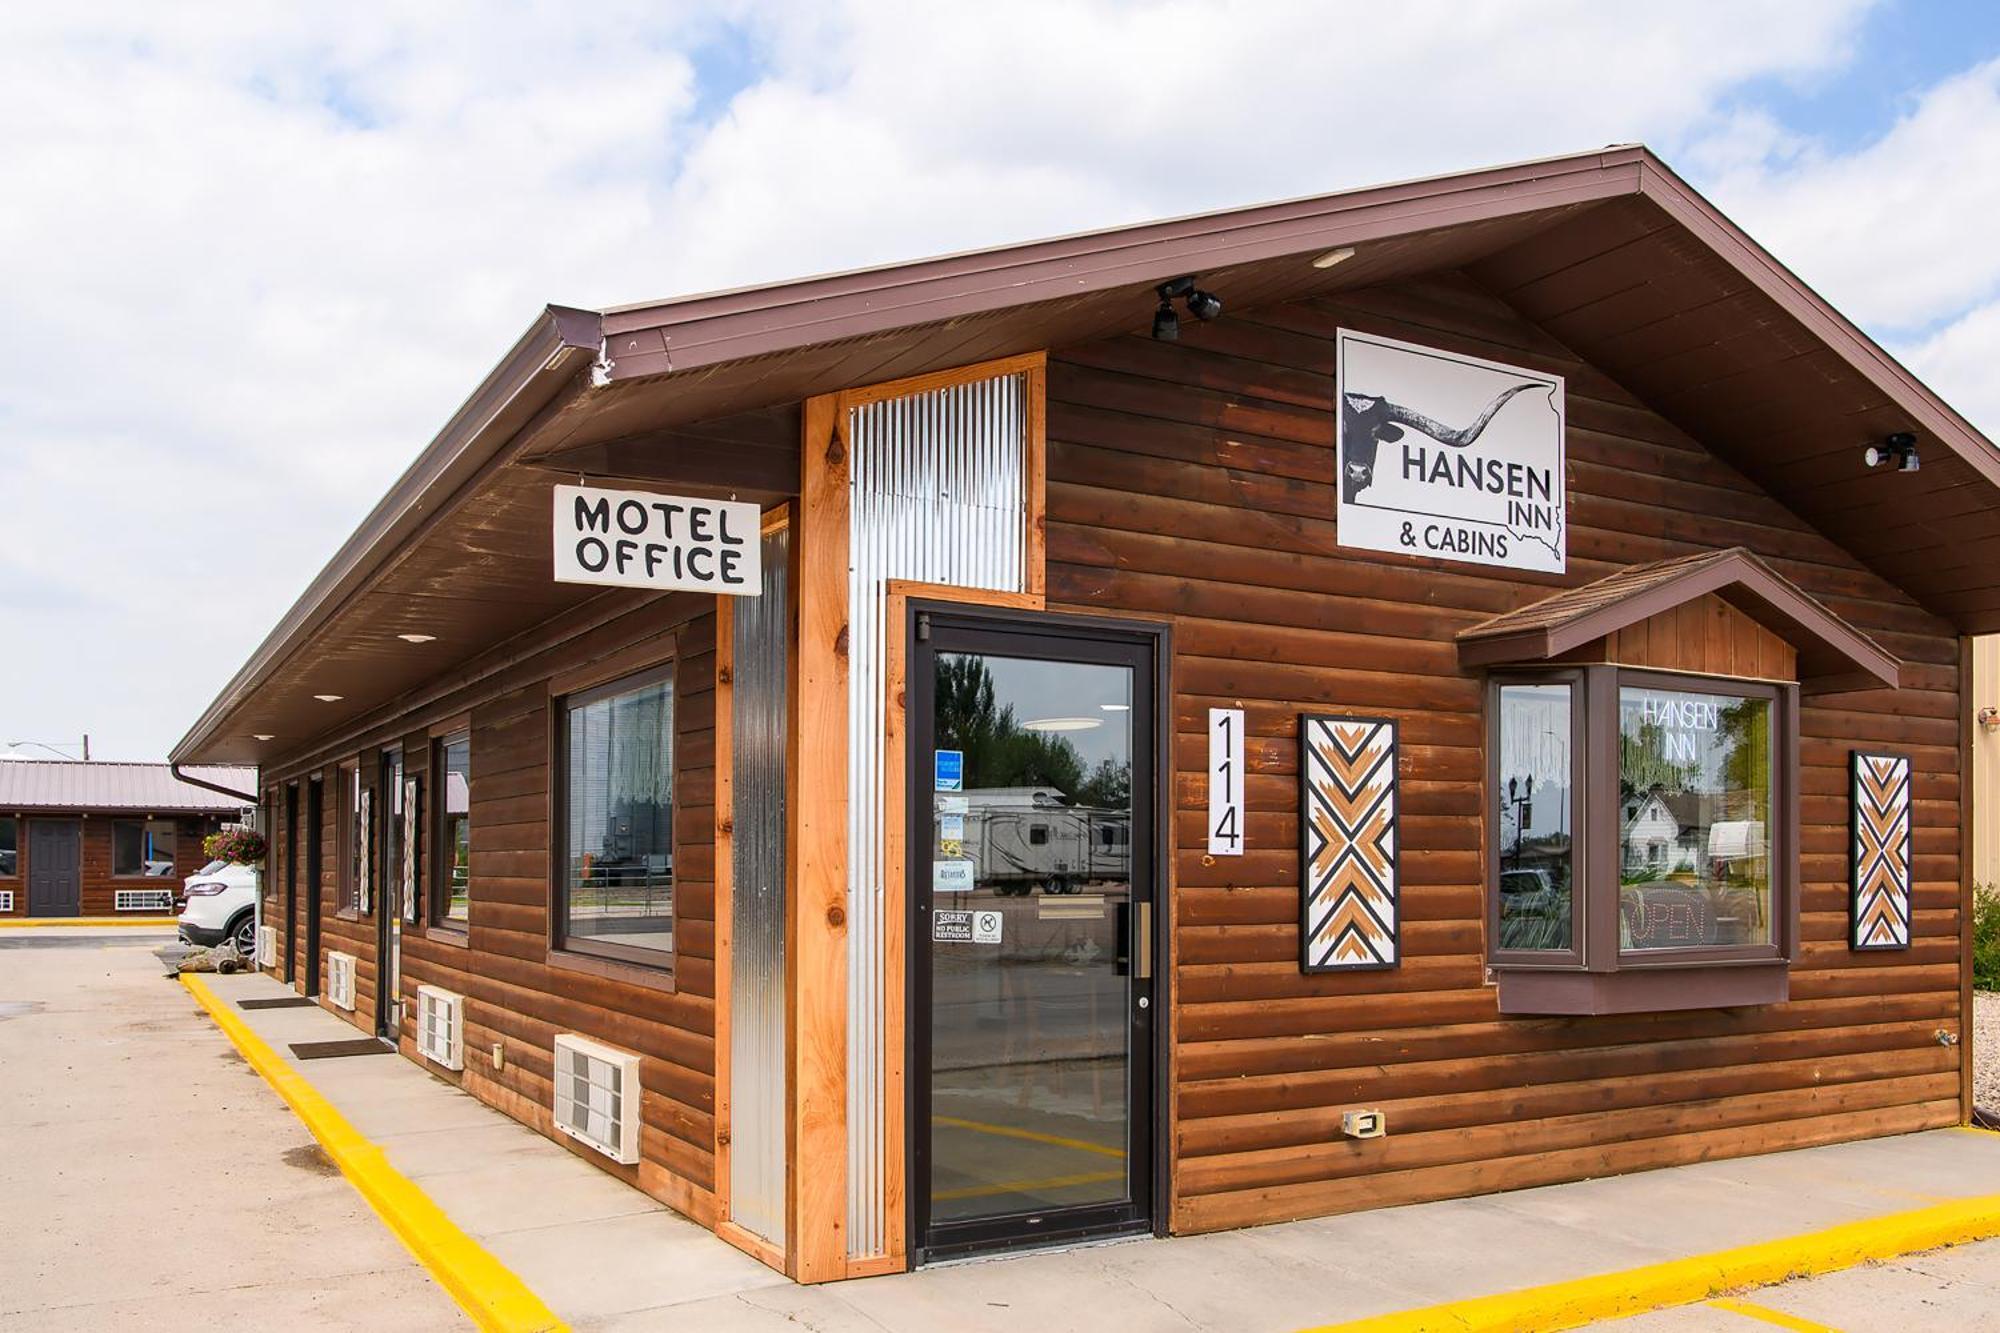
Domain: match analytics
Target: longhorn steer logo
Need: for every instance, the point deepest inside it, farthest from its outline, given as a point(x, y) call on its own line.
point(1367, 422)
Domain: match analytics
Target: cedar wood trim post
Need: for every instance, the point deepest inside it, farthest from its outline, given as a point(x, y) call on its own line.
point(816, 928)
point(1968, 731)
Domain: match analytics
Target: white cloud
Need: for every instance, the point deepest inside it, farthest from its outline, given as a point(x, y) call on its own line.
point(268, 251)
point(1899, 233)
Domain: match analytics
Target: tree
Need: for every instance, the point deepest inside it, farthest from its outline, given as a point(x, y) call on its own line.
point(998, 751)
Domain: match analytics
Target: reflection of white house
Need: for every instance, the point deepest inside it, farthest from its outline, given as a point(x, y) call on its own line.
point(1020, 837)
point(1664, 832)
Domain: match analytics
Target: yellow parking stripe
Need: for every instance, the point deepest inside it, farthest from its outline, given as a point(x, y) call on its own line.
point(484, 1288)
point(62, 922)
point(1685, 1281)
point(1750, 1310)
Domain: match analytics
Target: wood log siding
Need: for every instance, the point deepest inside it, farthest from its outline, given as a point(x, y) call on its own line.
point(514, 994)
point(97, 887)
point(1195, 481)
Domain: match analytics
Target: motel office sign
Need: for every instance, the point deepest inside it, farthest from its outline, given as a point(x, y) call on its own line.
point(1449, 456)
point(637, 539)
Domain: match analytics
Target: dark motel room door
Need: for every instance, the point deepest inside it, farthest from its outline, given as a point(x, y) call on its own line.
point(1032, 877)
point(55, 867)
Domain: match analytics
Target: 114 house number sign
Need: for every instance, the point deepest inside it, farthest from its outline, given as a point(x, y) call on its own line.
point(1449, 456)
point(1225, 782)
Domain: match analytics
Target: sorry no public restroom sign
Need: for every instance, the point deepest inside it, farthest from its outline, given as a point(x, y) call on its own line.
point(1449, 456)
point(639, 539)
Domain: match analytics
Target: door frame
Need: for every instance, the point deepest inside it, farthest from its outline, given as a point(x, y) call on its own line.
point(388, 892)
point(1157, 638)
point(315, 873)
point(75, 827)
point(291, 882)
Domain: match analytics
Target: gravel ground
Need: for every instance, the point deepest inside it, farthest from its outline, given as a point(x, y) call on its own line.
point(1986, 1050)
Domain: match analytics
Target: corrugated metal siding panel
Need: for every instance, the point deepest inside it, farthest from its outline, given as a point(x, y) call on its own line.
point(937, 496)
point(757, 902)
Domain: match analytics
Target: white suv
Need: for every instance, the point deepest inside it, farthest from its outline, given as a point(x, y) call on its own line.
point(219, 902)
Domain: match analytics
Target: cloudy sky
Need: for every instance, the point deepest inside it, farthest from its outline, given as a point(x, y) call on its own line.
point(251, 257)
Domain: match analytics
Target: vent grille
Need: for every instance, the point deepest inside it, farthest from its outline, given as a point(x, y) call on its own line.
point(6, 900)
point(143, 900)
point(267, 946)
point(340, 979)
point(597, 1096)
point(441, 1027)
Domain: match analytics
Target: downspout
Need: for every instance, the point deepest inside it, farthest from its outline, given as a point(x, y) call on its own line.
point(174, 767)
point(257, 899)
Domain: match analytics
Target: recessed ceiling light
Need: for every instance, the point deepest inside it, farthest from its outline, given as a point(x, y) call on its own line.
point(1332, 257)
point(1062, 724)
point(261, 736)
point(329, 698)
point(417, 638)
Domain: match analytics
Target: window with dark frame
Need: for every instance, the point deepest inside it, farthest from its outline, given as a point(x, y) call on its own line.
point(142, 848)
point(615, 887)
point(10, 847)
point(452, 900)
point(1638, 820)
point(1534, 906)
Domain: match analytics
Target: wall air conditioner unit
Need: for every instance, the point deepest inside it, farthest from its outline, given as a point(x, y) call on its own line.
point(597, 1096)
point(143, 900)
point(441, 1027)
point(267, 946)
point(340, 979)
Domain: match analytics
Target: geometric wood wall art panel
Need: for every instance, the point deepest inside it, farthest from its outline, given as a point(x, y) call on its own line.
point(1349, 916)
point(1881, 901)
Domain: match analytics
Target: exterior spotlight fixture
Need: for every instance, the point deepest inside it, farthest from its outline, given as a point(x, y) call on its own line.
point(1900, 448)
point(262, 736)
point(417, 638)
point(1202, 305)
point(1989, 718)
point(329, 698)
point(1332, 257)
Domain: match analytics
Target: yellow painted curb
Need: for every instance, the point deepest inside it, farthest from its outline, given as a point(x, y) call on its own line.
point(484, 1288)
point(1683, 1281)
point(60, 922)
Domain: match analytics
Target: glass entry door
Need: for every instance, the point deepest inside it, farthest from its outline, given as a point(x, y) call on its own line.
point(1031, 795)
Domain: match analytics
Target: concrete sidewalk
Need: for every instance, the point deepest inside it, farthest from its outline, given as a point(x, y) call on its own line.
point(148, 1178)
point(604, 1256)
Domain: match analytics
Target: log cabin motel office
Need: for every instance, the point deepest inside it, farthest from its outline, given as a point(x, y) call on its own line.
point(921, 761)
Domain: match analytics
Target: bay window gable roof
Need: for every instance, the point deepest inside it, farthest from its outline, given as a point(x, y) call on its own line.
point(1833, 654)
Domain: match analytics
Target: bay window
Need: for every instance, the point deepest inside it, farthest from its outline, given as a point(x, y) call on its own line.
point(1640, 852)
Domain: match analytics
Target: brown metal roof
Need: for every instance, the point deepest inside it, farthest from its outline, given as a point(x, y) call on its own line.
point(1609, 251)
point(1830, 650)
point(98, 786)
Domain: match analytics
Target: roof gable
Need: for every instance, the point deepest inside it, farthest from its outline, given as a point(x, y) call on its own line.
point(1832, 653)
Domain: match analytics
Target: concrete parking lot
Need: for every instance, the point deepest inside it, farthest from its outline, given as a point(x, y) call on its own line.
point(152, 1180)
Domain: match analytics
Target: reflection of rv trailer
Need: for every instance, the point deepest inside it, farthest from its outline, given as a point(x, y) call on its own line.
point(1021, 837)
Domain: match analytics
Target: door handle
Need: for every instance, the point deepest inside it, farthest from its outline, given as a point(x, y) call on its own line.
point(1142, 941)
